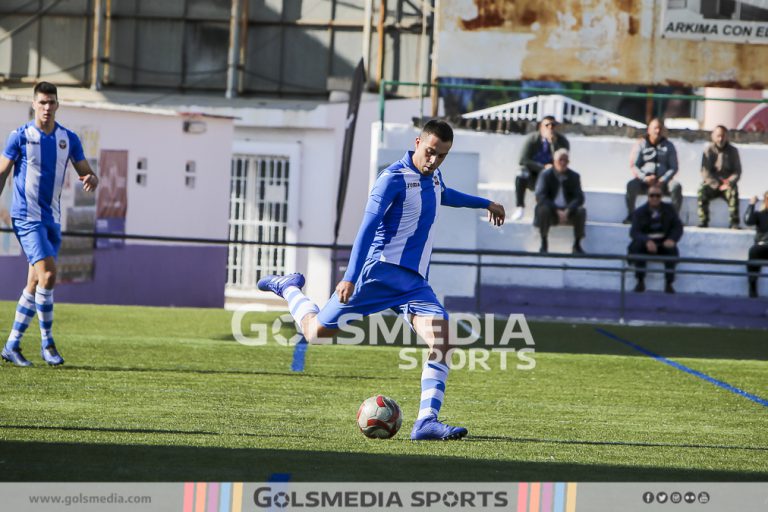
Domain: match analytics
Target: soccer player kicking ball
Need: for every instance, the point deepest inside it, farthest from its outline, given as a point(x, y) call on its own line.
point(389, 264)
point(40, 151)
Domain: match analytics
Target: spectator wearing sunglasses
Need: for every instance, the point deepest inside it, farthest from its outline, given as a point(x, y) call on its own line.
point(537, 155)
point(656, 230)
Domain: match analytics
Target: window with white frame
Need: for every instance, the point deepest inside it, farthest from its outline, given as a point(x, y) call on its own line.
point(258, 212)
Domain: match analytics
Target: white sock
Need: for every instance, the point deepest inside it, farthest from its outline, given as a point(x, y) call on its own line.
point(433, 377)
point(299, 304)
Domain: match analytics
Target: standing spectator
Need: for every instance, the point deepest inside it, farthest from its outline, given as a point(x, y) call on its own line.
point(759, 251)
point(537, 155)
point(656, 230)
point(560, 200)
point(654, 162)
point(720, 172)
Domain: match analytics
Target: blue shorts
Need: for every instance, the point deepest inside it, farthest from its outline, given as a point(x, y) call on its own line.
point(384, 286)
point(38, 240)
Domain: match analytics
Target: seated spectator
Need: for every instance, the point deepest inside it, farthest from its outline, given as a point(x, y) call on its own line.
point(720, 172)
point(653, 162)
point(759, 251)
point(560, 200)
point(656, 230)
point(537, 154)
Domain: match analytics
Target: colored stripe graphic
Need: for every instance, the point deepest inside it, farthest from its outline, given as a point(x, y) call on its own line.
point(225, 497)
point(681, 367)
point(200, 496)
point(213, 497)
point(570, 501)
point(237, 497)
point(546, 497)
point(522, 497)
point(533, 502)
point(559, 497)
point(189, 496)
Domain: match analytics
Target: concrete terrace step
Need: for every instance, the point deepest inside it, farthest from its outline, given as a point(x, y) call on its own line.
point(605, 205)
point(600, 274)
point(601, 305)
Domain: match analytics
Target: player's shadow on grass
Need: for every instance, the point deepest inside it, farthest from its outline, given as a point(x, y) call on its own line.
point(613, 443)
point(83, 462)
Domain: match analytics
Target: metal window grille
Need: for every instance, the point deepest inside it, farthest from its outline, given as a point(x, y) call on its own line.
point(258, 211)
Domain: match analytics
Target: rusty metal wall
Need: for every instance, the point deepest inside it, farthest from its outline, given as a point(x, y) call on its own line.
point(602, 41)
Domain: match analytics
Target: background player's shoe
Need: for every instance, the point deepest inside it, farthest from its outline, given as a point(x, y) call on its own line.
point(278, 284)
point(51, 356)
point(429, 429)
point(14, 356)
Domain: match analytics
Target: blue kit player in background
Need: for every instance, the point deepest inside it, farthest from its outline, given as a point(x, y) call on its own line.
point(38, 153)
point(389, 265)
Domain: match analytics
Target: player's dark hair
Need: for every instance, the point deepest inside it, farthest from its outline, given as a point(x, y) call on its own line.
point(440, 129)
point(721, 127)
point(46, 88)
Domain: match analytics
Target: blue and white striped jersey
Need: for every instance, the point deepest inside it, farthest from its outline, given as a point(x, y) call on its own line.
point(399, 217)
point(38, 175)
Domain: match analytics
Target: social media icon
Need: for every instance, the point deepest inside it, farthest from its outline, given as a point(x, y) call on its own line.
point(648, 497)
point(703, 497)
point(689, 497)
point(675, 497)
point(661, 497)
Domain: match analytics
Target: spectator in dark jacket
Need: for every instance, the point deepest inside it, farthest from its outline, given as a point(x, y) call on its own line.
point(656, 230)
point(653, 162)
point(759, 251)
point(560, 200)
point(537, 155)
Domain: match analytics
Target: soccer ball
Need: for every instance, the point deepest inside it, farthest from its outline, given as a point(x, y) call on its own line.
point(379, 417)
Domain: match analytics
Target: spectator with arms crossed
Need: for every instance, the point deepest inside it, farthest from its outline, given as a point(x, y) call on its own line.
point(537, 155)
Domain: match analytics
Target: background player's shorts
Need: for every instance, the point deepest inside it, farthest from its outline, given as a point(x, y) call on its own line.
point(37, 239)
point(383, 286)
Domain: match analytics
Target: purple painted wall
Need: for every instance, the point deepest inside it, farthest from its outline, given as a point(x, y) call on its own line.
point(146, 275)
point(606, 305)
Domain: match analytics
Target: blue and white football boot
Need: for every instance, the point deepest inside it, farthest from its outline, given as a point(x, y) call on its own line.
point(429, 429)
point(51, 356)
point(278, 284)
point(14, 356)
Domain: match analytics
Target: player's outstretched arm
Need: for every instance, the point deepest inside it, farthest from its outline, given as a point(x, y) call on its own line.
point(87, 176)
point(496, 214)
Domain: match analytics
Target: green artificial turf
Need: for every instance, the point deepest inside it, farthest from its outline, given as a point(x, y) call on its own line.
point(155, 394)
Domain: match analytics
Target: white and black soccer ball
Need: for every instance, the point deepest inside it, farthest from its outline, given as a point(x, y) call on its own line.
point(379, 417)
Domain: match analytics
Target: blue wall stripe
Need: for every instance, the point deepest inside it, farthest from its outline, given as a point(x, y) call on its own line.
point(682, 367)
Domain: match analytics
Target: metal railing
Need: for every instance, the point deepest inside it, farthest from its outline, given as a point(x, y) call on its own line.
point(573, 262)
point(561, 107)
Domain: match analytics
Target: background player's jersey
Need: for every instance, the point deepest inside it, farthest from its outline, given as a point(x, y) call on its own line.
point(38, 176)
